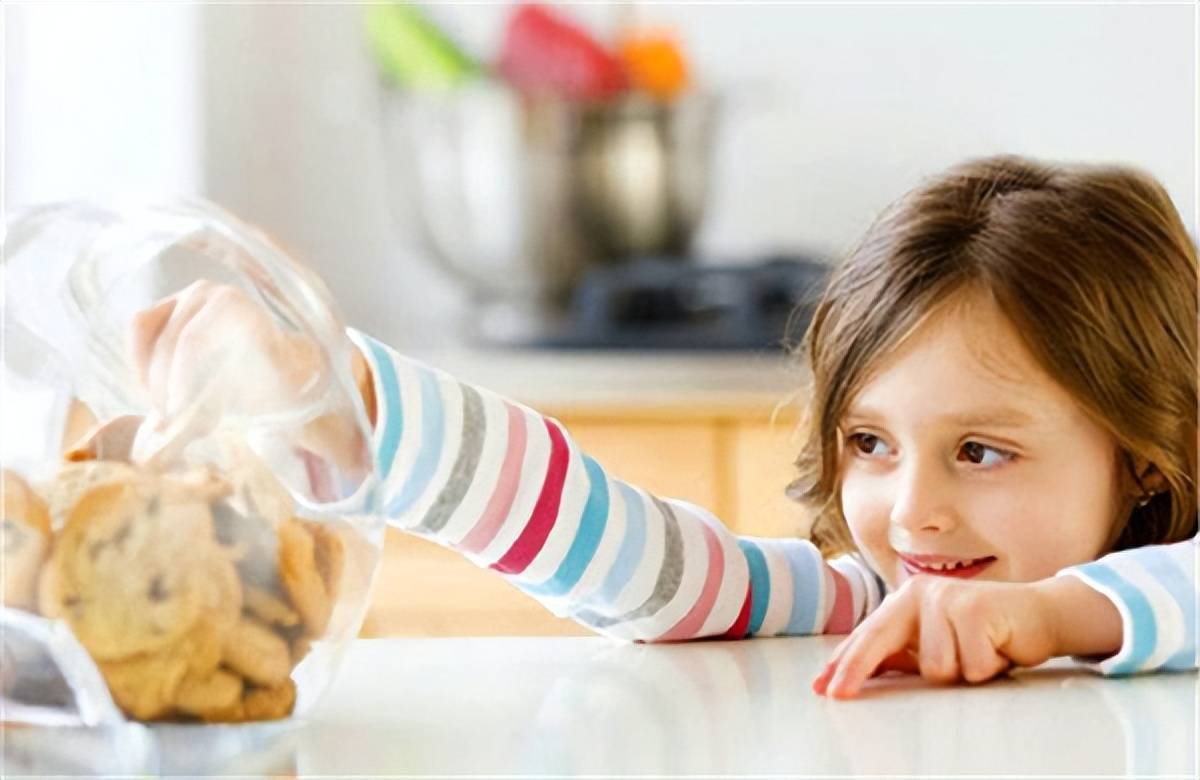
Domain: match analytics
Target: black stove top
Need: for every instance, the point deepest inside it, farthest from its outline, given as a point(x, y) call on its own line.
point(663, 304)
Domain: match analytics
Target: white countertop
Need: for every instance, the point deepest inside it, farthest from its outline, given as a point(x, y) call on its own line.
point(587, 705)
point(556, 378)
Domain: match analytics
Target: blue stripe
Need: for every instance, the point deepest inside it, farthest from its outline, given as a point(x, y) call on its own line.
point(433, 424)
point(760, 584)
point(806, 589)
point(587, 538)
point(1182, 590)
point(393, 412)
point(632, 547)
point(1145, 632)
point(1183, 661)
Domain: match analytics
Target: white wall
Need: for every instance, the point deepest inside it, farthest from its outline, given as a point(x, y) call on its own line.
point(833, 110)
point(101, 100)
point(836, 109)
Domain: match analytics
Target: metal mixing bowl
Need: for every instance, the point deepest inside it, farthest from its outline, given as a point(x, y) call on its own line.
point(517, 196)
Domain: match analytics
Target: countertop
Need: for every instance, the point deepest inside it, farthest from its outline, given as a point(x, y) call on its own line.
point(554, 379)
point(587, 705)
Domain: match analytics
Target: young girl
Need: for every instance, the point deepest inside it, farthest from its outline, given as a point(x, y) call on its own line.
point(1000, 438)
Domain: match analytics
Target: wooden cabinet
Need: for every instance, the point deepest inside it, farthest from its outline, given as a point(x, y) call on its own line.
point(759, 466)
point(734, 461)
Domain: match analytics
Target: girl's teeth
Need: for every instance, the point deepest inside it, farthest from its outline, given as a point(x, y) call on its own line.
point(948, 566)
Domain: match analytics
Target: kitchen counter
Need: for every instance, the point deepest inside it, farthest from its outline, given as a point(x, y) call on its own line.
point(608, 379)
point(587, 705)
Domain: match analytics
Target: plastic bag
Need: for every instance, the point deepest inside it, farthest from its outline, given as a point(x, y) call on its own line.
point(196, 562)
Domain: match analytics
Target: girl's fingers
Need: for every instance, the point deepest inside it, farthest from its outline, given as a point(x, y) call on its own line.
point(198, 357)
point(938, 653)
point(864, 656)
point(144, 333)
point(822, 683)
point(977, 656)
point(163, 357)
point(821, 680)
point(842, 645)
point(901, 661)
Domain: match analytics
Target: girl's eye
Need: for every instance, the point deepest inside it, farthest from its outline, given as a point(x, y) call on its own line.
point(865, 443)
point(979, 453)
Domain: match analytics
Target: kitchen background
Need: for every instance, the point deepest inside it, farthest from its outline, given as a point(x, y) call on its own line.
point(824, 113)
point(828, 112)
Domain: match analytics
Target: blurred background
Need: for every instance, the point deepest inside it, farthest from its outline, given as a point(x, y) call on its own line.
point(820, 115)
point(607, 211)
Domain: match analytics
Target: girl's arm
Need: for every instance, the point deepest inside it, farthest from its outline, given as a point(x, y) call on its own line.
point(1155, 590)
point(510, 490)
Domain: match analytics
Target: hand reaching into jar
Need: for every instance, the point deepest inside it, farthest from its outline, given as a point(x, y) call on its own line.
point(210, 352)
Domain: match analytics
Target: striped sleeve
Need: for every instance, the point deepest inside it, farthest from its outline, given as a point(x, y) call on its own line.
point(1155, 590)
point(510, 490)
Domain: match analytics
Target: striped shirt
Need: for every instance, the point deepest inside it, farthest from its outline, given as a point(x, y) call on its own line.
point(508, 488)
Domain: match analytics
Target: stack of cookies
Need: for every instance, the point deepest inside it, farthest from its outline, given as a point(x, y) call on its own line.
point(196, 592)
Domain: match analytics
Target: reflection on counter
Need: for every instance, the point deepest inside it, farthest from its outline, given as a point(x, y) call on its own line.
point(639, 708)
point(588, 706)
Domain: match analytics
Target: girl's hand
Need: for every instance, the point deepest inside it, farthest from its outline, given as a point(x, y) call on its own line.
point(948, 630)
point(210, 351)
point(211, 344)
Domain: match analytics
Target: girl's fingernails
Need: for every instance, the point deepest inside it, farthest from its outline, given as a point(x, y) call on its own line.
point(831, 688)
point(838, 688)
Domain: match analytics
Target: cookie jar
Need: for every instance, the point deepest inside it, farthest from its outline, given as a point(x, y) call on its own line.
point(191, 553)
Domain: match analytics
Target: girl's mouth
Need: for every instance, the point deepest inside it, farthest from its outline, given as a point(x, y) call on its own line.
point(960, 570)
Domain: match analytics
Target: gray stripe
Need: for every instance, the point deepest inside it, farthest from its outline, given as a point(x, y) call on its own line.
point(461, 476)
point(669, 577)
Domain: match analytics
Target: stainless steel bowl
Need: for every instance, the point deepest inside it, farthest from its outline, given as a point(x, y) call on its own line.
point(518, 197)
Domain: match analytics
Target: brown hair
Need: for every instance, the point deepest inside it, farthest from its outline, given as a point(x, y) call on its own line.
point(1096, 271)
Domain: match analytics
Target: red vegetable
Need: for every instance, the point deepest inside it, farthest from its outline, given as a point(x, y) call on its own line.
point(544, 52)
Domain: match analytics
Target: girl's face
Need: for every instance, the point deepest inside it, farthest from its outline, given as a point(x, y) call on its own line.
point(961, 446)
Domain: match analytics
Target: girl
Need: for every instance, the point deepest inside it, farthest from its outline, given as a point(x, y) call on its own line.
point(1000, 439)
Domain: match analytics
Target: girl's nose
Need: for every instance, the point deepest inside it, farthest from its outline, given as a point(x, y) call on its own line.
point(922, 501)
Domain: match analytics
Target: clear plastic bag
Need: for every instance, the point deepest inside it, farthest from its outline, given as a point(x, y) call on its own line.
point(200, 560)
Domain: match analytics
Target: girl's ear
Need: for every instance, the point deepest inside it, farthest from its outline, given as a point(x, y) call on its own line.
point(1147, 479)
point(1153, 479)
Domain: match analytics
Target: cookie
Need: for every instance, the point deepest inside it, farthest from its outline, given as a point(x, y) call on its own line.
point(301, 647)
point(24, 541)
point(269, 608)
point(269, 703)
point(257, 653)
point(256, 491)
point(144, 687)
point(215, 697)
point(131, 570)
point(223, 594)
point(329, 555)
point(75, 479)
point(252, 542)
point(147, 686)
point(247, 520)
point(311, 562)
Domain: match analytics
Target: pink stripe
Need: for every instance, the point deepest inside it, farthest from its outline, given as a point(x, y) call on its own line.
point(545, 512)
point(841, 620)
point(691, 623)
point(505, 492)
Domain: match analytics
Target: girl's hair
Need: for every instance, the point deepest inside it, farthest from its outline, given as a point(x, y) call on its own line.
point(1095, 270)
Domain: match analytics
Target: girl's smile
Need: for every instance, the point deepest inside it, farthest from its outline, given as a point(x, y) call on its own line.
point(961, 449)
